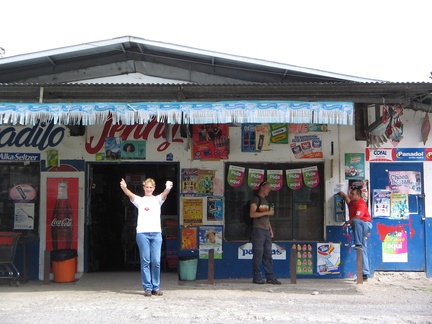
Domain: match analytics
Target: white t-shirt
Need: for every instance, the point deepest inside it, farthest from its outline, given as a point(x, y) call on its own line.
point(149, 212)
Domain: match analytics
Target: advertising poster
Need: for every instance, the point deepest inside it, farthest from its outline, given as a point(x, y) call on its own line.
point(354, 166)
point(408, 182)
point(306, 128)
point(399, 206)
point(189, 238)
point(279, 133)
point(211, 142)
point(248, 140)
point(306, 146)
point(215, 208)
point(363, 185)
point(113, 146)
point(22, 192)
point(381, 203)
point(328, 258)
point(244, 252)
point(189, 180)
point(52, 160)
point(395, 247)
point(205, 182)
point(304, 259)
point(210, 237)
point(133, 150)
point(197, 182)
point(62, 213)
point(24, 216)
point(192, 211)
point(262, 137)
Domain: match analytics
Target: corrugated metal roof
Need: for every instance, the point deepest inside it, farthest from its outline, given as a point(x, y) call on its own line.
point(27, 66)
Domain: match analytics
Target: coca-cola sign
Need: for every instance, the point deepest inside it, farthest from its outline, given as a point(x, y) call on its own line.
point(62, 213)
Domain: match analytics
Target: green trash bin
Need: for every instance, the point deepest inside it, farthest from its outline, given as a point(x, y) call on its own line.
point(188, 268)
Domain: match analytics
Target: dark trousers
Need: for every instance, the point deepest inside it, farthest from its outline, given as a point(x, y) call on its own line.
point(262, 253)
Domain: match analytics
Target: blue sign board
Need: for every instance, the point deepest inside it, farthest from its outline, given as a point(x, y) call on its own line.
point(410, 154)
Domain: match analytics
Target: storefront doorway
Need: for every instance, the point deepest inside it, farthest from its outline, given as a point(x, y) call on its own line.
point(111, 218)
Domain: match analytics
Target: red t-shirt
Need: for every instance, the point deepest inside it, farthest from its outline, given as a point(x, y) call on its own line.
point(359, 209)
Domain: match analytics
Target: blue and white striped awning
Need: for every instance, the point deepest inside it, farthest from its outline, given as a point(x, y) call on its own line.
point(223, 112)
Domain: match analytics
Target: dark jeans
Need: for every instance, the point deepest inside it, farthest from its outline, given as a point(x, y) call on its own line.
point(262, 253)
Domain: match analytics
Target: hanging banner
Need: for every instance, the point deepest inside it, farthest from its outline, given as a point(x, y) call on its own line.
point(311, 176)
point(354, 166)
point(275, 178)
point(381, 203)
point(279, 133)
point(408, 182)
point(399, 206)
point(255, 177)
point(294, 179)
point(395, 247)
point(235, 176)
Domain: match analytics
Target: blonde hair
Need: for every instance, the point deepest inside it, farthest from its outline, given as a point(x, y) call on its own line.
point(149, 180)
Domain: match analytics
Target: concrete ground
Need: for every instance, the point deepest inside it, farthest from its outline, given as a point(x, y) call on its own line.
point(117, 297)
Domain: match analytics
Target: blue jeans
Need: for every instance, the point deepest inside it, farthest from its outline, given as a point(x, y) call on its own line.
point(150, 247)
point(262, 253)
point(361, 230)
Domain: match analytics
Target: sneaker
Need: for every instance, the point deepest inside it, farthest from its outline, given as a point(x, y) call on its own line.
point(258, 281)
point(365, 278)
point(157, 293)
point(273, 281)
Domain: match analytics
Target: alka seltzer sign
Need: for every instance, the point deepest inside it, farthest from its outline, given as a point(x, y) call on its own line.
point(20, 157)
point(398, 154)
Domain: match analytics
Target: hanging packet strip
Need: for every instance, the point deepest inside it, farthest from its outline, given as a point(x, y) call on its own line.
point(294, 179)
point(255, 177)
point(311, 176)
point(235, 176)
point(275, 178)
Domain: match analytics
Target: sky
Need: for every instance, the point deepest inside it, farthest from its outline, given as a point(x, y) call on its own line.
point(378, 39)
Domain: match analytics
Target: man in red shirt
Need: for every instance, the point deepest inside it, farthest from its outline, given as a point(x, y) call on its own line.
point(361, 223)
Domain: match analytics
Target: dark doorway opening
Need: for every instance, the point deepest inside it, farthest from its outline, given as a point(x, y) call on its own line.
point(111, 219)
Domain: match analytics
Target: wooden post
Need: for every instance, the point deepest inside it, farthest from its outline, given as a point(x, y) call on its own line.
point(293, 266)
point(47, 265)
point(359, 266)
point(211, 267)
